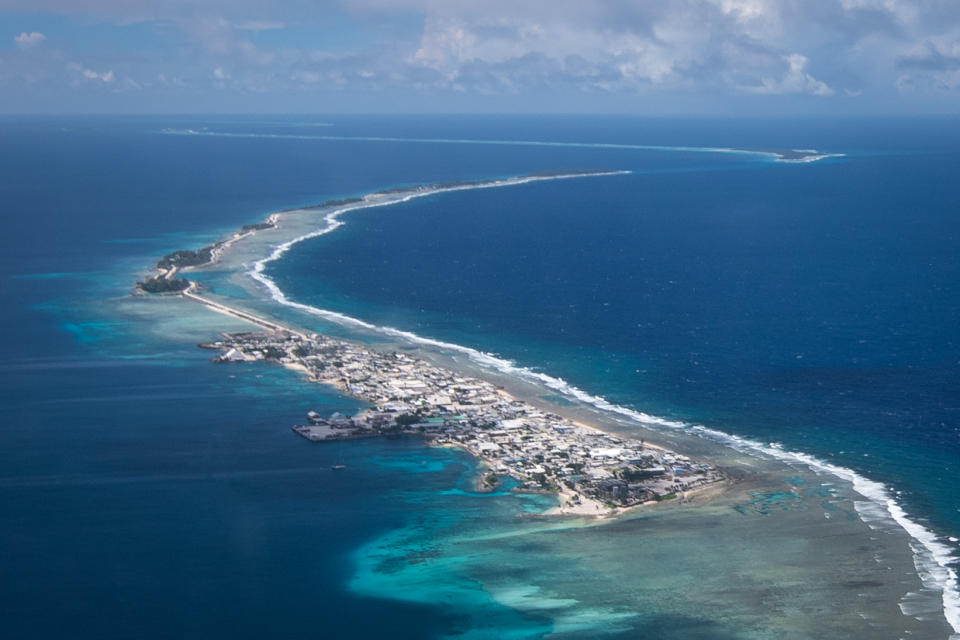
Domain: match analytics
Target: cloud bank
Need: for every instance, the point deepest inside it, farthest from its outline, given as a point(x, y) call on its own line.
point(603, 52)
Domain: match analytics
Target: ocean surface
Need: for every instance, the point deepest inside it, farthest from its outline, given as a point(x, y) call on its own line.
point(147, 492)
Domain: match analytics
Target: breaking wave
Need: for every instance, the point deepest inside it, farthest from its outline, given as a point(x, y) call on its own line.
point(934, 559)
point(811, 155)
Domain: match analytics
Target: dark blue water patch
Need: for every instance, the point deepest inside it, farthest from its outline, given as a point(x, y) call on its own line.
point(87, 194)
point(70, 186)
point(178, 499)
point(814, 306)
point(147, 493)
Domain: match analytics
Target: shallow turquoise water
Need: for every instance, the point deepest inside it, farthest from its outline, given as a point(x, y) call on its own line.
point(148, 492)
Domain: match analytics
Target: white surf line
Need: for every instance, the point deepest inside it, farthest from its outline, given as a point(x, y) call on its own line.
point(933, 558)
point(529, 143)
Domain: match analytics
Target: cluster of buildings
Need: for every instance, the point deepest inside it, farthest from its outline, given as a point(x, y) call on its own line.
point(593, 471)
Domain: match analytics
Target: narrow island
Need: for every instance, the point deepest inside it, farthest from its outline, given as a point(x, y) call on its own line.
point(593, 473)
point(166, 281)
point(796, 155)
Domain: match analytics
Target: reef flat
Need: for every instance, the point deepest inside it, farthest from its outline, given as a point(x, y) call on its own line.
point(243, 269)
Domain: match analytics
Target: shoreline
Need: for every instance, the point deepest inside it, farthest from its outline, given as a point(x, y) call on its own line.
point(933, 556)
point(779, 155)
point(594, 471)
point(169, 266)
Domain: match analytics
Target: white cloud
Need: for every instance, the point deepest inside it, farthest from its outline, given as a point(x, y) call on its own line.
point(711, 47)
point(170, 81)
point(796, 79)
point(220, 37)
point(933, 64)
point(82, 72)
point(129, 84)
point(903, 11)
point(702, 51)
point(745, 9)
point(29, 40)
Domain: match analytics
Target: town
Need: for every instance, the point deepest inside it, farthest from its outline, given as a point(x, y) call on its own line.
point(593, 472)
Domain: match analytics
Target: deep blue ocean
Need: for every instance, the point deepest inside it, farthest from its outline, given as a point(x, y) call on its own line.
point(146, 492)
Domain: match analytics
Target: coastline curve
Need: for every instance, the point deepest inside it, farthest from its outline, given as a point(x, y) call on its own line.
point(933, 558)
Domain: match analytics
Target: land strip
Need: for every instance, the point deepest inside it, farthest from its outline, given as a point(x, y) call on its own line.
point(594, 473)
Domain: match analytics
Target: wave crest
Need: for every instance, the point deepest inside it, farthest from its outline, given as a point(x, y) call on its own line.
point(934, 559)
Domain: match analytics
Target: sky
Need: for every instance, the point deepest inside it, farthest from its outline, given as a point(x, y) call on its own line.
point(645, 57)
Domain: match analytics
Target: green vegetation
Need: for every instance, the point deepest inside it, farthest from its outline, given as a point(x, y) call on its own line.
point(187, 257)
point(273, 353)
point(301, 350)
point(406, 419)
point(454, 184)
point(339, 202)
point(565, 172)
point(257, 226)
point(384, 192)
point(159, 284)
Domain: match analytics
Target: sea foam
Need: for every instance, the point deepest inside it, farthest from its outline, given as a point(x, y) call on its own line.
point(934, 559)
point(813, 156)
